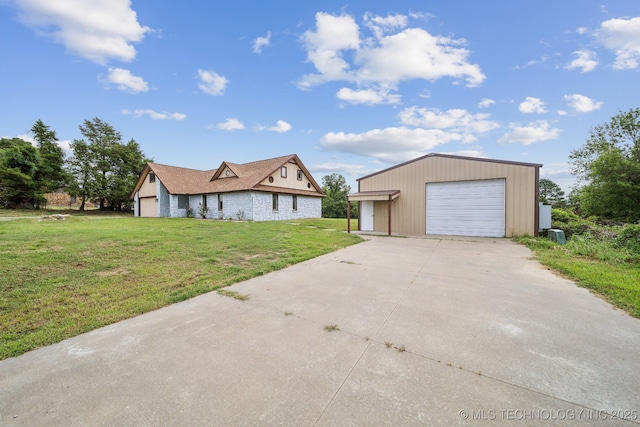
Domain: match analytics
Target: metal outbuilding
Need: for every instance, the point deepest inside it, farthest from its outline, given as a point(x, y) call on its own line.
point(441, 194)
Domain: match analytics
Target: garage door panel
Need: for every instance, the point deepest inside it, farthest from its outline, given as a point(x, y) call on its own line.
point(148, 207)
point(466, 208)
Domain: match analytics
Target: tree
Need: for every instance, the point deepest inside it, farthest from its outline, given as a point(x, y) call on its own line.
point(104, 169)
point(551, 194)
point(128, 162)
point(51, 174)
point(609, 165)
point(19, 161)
point(80, 168)
point(334, 205)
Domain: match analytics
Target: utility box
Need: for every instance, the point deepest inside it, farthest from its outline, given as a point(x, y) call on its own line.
point(545, 217)
point(556, 235)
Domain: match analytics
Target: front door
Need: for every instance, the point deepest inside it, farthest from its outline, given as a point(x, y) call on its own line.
point(366, 215)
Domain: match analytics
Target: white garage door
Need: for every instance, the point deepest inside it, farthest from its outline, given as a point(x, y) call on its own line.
point(148, 207)
point(466, 208)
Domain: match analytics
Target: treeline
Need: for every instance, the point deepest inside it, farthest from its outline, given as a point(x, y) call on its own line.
point(608, 170)
point(102, 169)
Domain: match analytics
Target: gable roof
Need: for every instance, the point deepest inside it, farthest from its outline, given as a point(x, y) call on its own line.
point(249, 176)
point(451, 156)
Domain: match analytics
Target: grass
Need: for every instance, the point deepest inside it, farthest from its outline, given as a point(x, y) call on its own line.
point(331, 328)
point(61, 278)
point(599, 266)
point(37, 213)
point(233, 294)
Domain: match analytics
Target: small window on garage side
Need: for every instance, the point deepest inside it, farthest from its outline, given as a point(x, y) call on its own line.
point(275, 202)
point(183, 202)
point(219, 202)
point(283, 171)
point(299, 175)
point(295, 202)
point(152, 177)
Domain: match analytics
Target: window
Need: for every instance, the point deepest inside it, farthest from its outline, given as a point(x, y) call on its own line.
point(204, 201)
point(219, 202)
point(152, 177)
point(275, 202)
point(299, 175)
point(183, 202)
point(283, 172)
point(271, 179)
point(295, 203)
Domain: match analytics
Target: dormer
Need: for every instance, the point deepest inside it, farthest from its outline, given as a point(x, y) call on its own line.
point(224, 171)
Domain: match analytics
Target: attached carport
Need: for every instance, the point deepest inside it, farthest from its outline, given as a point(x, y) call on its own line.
point(366, 210)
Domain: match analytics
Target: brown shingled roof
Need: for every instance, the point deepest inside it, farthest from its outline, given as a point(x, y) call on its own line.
point(248, 177)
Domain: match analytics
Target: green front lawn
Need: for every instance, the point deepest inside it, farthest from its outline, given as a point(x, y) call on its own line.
point(60, 278)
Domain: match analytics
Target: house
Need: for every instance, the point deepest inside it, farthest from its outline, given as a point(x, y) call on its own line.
point(271, 189)
point(450, 195)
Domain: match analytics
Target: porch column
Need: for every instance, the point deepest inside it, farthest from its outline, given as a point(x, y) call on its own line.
point(389, 203)
point(348, 215)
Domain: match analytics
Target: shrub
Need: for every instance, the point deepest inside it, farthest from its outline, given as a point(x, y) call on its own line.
point(629, 238)
point(571, 223)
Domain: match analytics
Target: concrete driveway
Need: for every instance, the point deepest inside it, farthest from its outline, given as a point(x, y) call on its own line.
point(431, 332)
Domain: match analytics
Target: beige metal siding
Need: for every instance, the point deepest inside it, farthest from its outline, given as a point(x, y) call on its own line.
point(148, 207)
point(409, 213)
point(147, 188)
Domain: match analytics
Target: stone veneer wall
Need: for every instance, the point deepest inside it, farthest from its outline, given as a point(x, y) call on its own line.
point(163, 200)
point(308, 207)
point(251, 206)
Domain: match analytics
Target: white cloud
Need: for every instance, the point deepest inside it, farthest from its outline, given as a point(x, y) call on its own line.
point(623, 37)
point(486, 102)
point(261, 42)
point(387, 58)
point(97, 30)
point(581, 103)
point(532, 105)
point(586, 60)
point(537, 131)
point(343, 168)
point(212, 83)
point(458, 120)
point(66, 147)
point(383, 25)
point(231, 124)
point(325, 46)
point(582, 30)
point(391, 145)
point(280, 127)
point(466, 153)
point(560, 173)
point(367, 96)
point(125, 81)
point(154, 115)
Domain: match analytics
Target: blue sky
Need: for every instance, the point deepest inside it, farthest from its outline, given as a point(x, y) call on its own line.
point(351, 87)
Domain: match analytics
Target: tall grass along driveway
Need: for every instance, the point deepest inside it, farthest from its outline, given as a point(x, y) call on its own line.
point(60, 278)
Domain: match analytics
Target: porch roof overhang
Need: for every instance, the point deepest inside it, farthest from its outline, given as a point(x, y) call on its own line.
point(374, 195)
